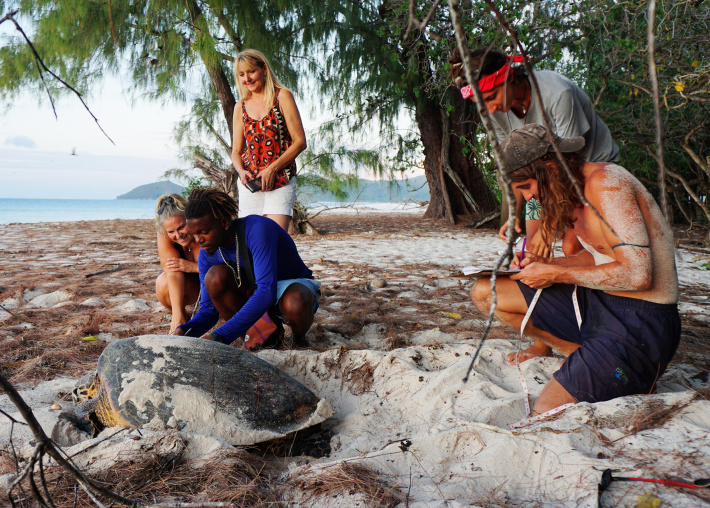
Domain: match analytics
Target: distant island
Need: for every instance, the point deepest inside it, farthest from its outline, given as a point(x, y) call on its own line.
point(369, 191)
point(373, 191)
point(152, 190)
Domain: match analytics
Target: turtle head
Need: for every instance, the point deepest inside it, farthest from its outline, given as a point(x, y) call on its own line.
point(86, 388)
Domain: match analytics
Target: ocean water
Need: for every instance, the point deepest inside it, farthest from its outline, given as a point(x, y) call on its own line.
point(66, 210)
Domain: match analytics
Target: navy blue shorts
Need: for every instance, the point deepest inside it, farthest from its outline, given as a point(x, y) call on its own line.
point(626, 343)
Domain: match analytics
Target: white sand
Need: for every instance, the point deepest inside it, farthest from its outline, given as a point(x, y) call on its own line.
point(462, 452)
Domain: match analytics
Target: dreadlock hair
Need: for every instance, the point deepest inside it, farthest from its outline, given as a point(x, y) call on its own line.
point(485, 62)
point(554, 186)
point(210, 201)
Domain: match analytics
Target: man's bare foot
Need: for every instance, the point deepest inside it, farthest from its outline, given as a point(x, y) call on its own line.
point(537, 349)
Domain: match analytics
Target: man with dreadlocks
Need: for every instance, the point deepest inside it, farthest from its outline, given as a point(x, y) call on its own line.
point(280, 286)
point(612, 308)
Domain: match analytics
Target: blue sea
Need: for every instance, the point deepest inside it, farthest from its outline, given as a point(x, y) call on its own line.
point(65, 210)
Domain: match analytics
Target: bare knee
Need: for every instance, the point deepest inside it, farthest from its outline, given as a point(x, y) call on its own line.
point(161, 290)
point(481, 295)
point(216, 280)
point(296, 303)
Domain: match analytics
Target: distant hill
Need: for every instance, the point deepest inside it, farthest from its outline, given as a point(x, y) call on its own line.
point(370, 191)
point(152, 190)
point(376, 191)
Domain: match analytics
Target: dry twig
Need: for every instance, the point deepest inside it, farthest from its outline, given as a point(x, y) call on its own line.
point(495, 147)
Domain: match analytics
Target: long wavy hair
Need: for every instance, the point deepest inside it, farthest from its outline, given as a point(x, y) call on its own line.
point(251, 59)
point(558, 198)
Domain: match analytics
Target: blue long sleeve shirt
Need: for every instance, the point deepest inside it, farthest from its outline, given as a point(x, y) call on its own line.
point(274, 256)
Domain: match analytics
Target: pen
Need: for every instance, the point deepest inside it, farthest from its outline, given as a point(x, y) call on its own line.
point(522, 251)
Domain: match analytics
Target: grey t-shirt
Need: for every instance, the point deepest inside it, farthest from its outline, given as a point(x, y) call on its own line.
point(570, 112)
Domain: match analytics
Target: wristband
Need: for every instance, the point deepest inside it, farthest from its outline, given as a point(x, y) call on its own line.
point(217, 337)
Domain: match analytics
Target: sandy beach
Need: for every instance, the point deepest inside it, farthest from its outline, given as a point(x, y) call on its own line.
point(390, 360)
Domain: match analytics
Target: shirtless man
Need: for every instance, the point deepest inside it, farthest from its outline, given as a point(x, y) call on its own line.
point(625, 278)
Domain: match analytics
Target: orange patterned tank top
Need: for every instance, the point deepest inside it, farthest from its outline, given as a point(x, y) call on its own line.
point(266, 140)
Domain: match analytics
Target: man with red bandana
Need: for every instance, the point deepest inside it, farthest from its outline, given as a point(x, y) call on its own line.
point(508, 96)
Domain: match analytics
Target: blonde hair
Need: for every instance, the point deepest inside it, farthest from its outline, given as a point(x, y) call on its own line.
point(251, 59)
point(168, 205)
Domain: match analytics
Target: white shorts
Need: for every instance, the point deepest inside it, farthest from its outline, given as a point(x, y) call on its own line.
point(276, 202)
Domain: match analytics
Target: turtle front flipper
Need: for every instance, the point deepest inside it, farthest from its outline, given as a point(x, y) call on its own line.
point(83, 409)
point(87, 411)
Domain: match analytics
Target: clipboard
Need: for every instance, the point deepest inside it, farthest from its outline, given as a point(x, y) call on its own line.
point(477, 271)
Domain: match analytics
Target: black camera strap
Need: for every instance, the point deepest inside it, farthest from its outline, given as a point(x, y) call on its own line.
point(245, 255)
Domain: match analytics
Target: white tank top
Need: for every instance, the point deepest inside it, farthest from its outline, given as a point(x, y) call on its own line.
point(599, 258)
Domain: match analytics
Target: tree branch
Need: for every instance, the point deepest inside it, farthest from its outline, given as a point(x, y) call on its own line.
point(497, 156)
point(653, 77)
point(41, 65)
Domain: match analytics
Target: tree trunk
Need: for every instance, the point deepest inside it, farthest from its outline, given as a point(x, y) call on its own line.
point(214, 67)
point(447, 200)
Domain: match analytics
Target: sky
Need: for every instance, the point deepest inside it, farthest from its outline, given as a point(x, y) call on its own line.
point(36, 148)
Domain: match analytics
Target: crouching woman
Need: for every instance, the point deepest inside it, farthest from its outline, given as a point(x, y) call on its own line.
point(178, 285)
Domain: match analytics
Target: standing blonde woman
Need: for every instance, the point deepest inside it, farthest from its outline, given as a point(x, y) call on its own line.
point(179, 284)
point(268, 136)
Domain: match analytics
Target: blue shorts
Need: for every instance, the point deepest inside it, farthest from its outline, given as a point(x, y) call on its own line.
point(313, 285)
point(626, 343)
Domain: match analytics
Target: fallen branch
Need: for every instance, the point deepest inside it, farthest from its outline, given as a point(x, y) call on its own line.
point(13, 314)
point(95, 491)
point(46, 445)
point(486, 218)
point(101, 272)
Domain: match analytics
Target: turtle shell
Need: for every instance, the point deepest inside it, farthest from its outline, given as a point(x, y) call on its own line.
point(200, 386)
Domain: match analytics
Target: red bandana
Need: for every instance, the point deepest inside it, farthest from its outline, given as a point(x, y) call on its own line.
point(492, 80)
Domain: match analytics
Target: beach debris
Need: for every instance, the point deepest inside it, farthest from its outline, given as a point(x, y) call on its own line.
point(453, 315)
point(10, 313)
point(197, 386)
point(607, 479)
point(90, 338)
point(55, 407)
point(101, 272)
point(378, 283)
point(648, 501)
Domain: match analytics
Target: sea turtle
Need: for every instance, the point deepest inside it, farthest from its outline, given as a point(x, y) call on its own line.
point(196, 385)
